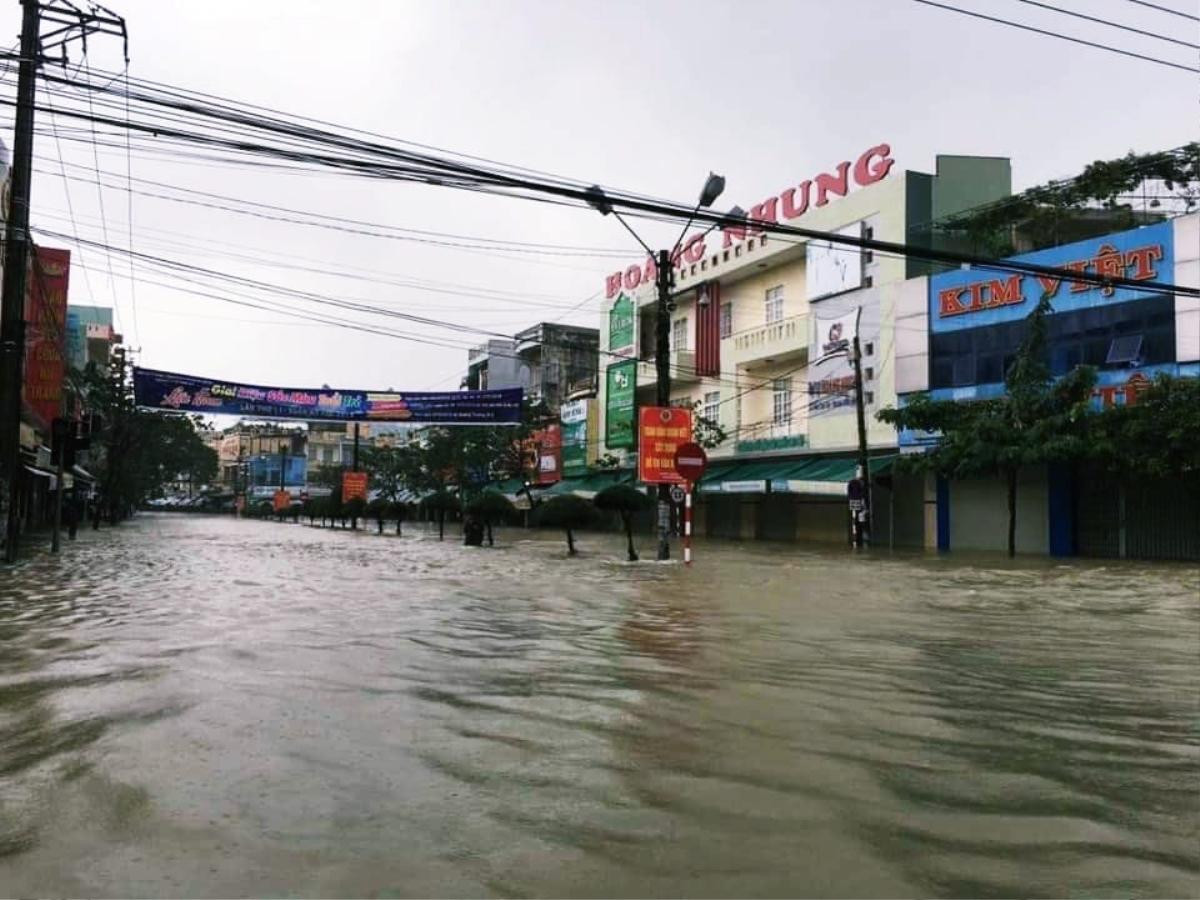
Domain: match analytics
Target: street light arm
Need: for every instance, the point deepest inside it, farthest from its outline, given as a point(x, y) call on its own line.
point(686, 226)
point(634, 233)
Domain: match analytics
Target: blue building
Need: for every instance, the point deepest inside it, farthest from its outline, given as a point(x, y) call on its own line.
point(263, 473)
point(973, 323)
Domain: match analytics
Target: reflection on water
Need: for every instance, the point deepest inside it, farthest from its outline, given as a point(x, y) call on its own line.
point(208, 707)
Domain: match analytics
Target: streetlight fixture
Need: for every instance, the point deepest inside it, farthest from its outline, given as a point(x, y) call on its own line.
point(714, 185)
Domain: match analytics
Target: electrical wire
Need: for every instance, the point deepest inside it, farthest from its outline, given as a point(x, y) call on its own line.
point(1166, 9)
point(1129, 28)
point(1063, 37)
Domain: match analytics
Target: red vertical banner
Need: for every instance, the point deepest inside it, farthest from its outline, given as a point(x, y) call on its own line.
point(45, 332)
point(708, 329)
point(548, 449)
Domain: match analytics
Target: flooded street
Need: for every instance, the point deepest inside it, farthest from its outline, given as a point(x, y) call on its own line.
point(213, 707)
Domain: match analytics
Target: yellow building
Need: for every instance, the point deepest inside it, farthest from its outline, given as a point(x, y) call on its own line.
point(751, 315)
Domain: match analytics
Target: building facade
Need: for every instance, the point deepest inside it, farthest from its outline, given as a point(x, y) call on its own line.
point(746, 336)
point(957, 340)
point(557, 363)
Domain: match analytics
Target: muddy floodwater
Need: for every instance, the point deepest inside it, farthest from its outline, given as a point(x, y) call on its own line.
point(199, 706)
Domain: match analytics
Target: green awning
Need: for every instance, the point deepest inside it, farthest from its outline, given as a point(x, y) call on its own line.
point(752, 477)
point(592, 483)
point(825, 474)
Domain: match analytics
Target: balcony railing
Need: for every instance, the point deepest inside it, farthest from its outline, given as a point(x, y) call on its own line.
point(782, 341)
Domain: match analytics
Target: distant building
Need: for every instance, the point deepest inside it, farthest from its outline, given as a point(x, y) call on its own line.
point(553, 363)
point(493, 366)
point(90, 335)
point(558, 362)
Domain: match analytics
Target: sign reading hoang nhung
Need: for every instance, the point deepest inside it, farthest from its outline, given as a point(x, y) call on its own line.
point(189, 393)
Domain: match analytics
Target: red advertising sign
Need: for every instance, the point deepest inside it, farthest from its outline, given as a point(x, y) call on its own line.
point(45, 332)
point(354, 486)
point(690, 461)
point(547, 453)
point(661, 431)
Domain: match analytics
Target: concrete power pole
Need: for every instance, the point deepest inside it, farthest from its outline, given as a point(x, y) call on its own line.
point(16, 262)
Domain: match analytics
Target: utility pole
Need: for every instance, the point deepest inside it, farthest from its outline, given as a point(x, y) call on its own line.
point(73, 24)
point(662, 369)
point(16, 262)
point(861, 527)
point(58, 440)
point(354, 466)
point(664, 282)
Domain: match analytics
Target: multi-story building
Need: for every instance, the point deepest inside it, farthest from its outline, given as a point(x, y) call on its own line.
point(557, 363)
point(253, 439)
point(331, 444)
point(956, 336)
point(745, 337)
point(493, 366)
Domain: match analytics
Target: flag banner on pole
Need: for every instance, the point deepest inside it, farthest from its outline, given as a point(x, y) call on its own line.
point(189, 393)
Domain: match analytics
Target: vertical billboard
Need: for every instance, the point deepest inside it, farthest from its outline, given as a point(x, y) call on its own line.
point(831, 372)
point(576, 437)
point(620, 388)
point(547, 444)
point(45, 332)
point(831, 268)
point(621, 331)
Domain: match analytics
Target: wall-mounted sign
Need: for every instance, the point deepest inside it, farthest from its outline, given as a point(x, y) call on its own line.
point(170, 390)
point(969, 298)
point(577, 419)
point(621, 329)
point(871, 166)
point(831, 373)
point(548, 450)
point(662, 430)
point(619, 398)
point(831, 268)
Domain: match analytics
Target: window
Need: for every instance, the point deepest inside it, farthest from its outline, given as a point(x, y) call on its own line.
point(1105, 337)
point(781, 401)
point(712, 406)
point(679, 334)
point(774, 307)
point(726, 319)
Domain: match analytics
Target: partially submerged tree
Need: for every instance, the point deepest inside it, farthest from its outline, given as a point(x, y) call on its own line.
point(441, 502)
point(398, 510)
point(568, 512)
point(1038, 420)
point(626, 501)
point(490, 507)
point(377, 509)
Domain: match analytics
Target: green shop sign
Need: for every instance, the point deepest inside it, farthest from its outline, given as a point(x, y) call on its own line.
point(619, 408)
point(620, 323)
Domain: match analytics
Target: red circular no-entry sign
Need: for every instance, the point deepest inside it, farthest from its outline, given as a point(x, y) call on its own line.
point(690, 461)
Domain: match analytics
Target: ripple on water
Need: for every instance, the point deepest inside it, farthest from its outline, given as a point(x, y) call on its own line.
point(203, 705)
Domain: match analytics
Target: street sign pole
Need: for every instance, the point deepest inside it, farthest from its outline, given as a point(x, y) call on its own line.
point(687, 525)
point(690, 463)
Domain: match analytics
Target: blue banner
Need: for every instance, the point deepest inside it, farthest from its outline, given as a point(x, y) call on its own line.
point(188, 393)
point(970, 298)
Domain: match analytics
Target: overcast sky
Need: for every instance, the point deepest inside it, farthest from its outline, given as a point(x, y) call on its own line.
point(646, 96)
